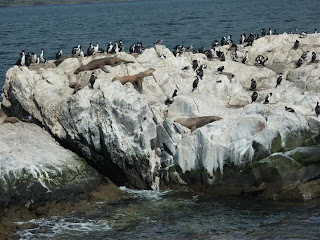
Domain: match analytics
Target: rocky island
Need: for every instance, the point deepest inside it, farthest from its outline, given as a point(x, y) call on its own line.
point(60, 136)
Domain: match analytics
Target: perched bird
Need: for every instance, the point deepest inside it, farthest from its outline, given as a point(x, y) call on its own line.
point(315, 31)
point(296, 44)
point(215, 43)
point(267, 99)
point(303, 35)
point(317, 109)
point(253, 85)
point(244, 60)
point(92, 79)
point(289, 109)
point(254, 96)
point(314, 57)
point(304, 55)
point(195, 64)
point(109, 47)
point(28, 59)
point(222, 57)
point(76, 50)
point(220, 69)
point(59, 54)
point(42, 57)
point(158, 41)
point(199, 71)
point(174, 93)
point(279, 79)
point(299, 63)
point(263, 32)
point(90, 50)
point(195, 84)
point(120, 45)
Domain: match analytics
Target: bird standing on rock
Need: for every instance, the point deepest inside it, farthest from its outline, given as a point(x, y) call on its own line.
point(59, 54)
point(220, 69)
point(92, 79)
point(279, 80)
point(296, 45)
point(267, 99)
point(254, 96)
point(245, 58)
point(253, 85)
point(195, 84)
point(314, 57)
point(289, 109)
point(317, 109)
point(299, 63)
point(195, 64)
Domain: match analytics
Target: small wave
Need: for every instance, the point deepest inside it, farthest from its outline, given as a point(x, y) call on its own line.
point(58, 226)
point(146, 194)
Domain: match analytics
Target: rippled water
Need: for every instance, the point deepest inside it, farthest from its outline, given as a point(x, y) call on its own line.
point(178, 215)
point(175, 21)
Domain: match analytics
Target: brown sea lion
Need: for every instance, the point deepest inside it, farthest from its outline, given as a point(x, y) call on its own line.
point(137, 79)
point(77, 86)
point(58, 62)
point(100, 63)
point(11, 120)
point(196, 122)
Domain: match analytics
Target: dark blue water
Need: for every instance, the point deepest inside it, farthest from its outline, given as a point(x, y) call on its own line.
point(183, 216)
point(175, 21)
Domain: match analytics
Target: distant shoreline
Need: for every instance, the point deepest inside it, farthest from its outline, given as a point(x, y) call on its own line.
point(55, 2)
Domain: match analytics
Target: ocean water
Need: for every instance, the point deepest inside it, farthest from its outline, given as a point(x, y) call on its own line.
point(182, 216)
point(188, 22)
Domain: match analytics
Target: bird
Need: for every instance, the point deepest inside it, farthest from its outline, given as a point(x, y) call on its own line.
point(199, 71)
point(314, 57)
point(245, 58)
point(42, 57)
point(317, 109)
point(222, 57)
point(90, 50)
point(296, 45)
point(289, 109)
point(220, 69)
point(170, 100)
point(267, 99)
point(254, 97)
point(299, 63)
point(92, 79)
point(195, 64)
point(279, 79)
point(253, 85)
point(22, 60)
point(158, 41)
point(162, 56)
point(59, 54)
point(195, 84)
point(304, 55)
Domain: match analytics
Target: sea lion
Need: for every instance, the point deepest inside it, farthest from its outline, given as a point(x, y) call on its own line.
point(100, 63)
point(77, 86)
point(197, 122)
point(59, 61)
point(135, 79)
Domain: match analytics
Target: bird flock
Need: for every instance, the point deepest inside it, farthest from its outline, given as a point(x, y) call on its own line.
point(178, 50)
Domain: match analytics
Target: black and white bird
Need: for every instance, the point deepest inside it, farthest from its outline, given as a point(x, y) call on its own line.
point(223, 41)
point(76, 50)
point(263, 32)
point(90, 50)
point(120, 45)
point(245, 59)
point(92, 79)
point(170, 100)
point(33, 58)
point(157, 42)
point(199, 72)
point(222, 57)
point(315, 31)
point(317, 109)
point(253, 85)
point(314, 57)
point(115, 48)
point(22, 59)
point(299, 63)
point(28, 59)
point(220, 69)
point(109, 47)
point(215, 43)
point(42, 57)
point(95, 49)
point(267, 99)
point(59, 54)
point(195, 64)
point(242, 38)
point(289, 109)
point(296, 45)
point(279, 80)
point(195, 84)
point(254, 97)
point(304, 55)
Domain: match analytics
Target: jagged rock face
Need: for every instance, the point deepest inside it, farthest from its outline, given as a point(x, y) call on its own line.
point(35, 168)
point(132, 136)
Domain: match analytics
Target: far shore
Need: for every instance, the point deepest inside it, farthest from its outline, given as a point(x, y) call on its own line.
point(55, 2)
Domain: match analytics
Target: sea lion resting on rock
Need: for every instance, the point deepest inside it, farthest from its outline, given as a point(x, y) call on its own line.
point(100, 63)
point(59, 61)
point(135, 79)
point(5, 119)
point(196, 122)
